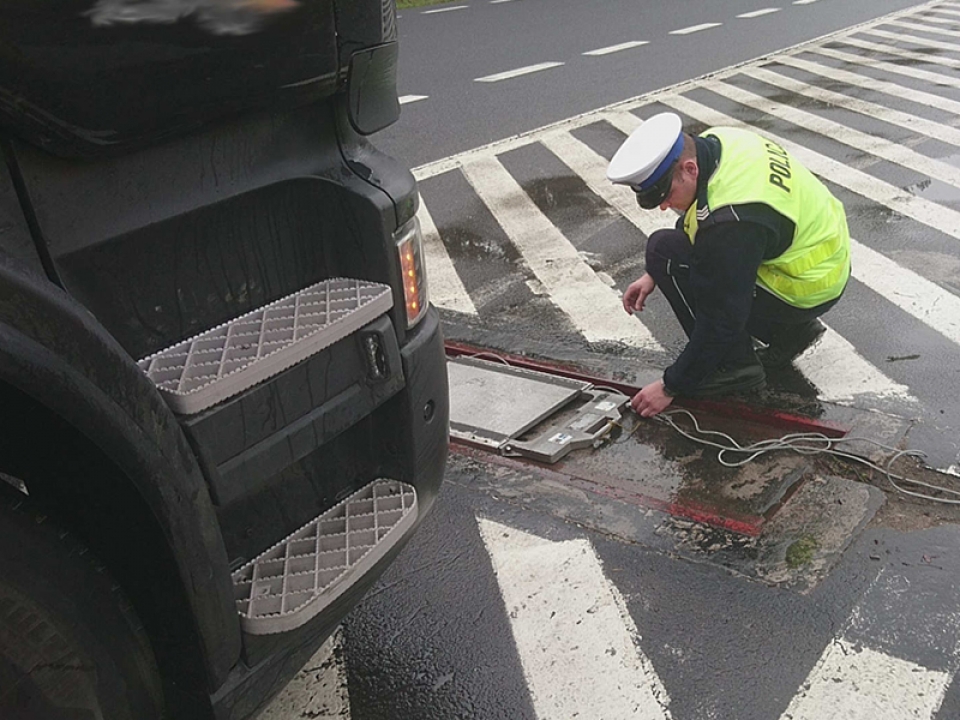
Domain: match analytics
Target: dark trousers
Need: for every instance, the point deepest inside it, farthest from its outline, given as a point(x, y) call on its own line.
point(669, 253)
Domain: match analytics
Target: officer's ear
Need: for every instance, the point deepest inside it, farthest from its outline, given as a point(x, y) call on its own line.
point(690, 167)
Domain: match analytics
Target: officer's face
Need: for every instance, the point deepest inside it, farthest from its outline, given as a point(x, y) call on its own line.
point(683, 189)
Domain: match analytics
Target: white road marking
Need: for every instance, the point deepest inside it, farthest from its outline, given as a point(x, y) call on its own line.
point(758, 13)
point(499, 2)
point(891, 88)
point(853, 682)
point(518, 72)
point(444, 9)
point(444, 286)
point(804, 2)
point(577, 642)
point(946, 11)
point(913, 39)
point(920, 27)
point(841, 373)
point(929, 303)
point(901, 52)
point(937, 20)
point(929, 213)
point(695, 28)
point(873, 144)
point(618, 48)
point(594, 308)
point(592, 168)
point(405, 99)
point(913, 123)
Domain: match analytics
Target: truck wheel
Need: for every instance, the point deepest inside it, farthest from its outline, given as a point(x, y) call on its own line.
point(71, 647)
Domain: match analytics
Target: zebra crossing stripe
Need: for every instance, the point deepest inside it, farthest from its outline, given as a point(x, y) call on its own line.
point(923, 211)
point(898, 91)
point(577, 642)
point(920, 27)
point(923, 42)
point(946, 10)
point(938, 20)
point(853, 682)
point(891, 88)
point(841, 373)
point(873, 144)
point(907, 121)
point(444, 285)
point(926, 301)
point(592, 169)
point(901, 52)
point(594, 308)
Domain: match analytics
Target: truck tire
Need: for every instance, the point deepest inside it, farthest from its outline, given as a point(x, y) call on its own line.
point(71, 647)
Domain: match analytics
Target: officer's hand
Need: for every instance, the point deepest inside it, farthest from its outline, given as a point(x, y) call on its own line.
point(651, 400)
point(636, 295)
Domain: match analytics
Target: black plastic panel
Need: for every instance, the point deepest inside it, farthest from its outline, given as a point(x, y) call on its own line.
point(247, 442)
point(84, 77)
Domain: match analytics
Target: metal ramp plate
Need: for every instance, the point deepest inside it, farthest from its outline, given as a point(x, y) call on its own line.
point(208, 368)
point(514, 410)
point(287, 585)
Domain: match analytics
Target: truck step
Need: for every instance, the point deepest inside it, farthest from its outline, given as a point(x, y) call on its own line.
point(287, 585)
point(200, 372)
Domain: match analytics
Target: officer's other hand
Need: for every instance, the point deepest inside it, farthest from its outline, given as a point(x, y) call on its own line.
point(636, 295)
point(651, 400)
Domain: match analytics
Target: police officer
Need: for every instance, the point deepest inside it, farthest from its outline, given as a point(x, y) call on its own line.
point(761, 250)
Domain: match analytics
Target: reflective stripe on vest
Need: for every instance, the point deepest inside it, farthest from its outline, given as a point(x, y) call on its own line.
point(816, 265)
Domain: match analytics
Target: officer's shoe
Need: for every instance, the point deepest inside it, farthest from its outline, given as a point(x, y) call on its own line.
point(729, 379)
point(790, 342)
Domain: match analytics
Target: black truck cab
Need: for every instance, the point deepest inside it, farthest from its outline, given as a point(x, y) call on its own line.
point(223, 397)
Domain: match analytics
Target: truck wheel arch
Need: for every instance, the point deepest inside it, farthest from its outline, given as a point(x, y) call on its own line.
point(68, 389)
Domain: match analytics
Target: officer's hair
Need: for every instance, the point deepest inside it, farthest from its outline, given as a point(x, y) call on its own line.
point(689, 148)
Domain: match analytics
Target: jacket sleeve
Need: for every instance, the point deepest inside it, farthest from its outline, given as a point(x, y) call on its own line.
point(723, 277)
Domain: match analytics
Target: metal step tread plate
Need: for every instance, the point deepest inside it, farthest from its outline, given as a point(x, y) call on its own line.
point(204, 370)
point(287, 585)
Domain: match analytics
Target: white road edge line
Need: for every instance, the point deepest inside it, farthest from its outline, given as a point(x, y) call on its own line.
point(854, 682)
point(518, 72)
point(444, 286)
point(617, 48)
point(758, 13)
point(695, 28)
point(406, 99)
point(577, 642)
point(443, 10)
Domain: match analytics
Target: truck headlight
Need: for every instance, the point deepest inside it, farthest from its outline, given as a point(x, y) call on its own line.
point(410, 249)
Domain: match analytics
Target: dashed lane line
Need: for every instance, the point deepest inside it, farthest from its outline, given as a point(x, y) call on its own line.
point(407, 99)
point(444, 9)
point(617, 48)
point(539, 67)
point(695, 28)
point(758, 13)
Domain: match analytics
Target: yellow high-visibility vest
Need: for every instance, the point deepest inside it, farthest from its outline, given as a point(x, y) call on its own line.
point(752, 169)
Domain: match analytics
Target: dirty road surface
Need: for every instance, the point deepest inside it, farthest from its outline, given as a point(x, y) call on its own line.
point(643, 579)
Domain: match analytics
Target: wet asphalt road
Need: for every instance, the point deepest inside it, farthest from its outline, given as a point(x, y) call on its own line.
point(724, 627)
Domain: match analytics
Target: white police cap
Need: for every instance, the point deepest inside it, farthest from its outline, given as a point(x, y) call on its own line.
point(648, 153)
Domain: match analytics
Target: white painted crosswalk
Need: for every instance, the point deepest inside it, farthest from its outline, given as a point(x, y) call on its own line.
point(836, 73)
